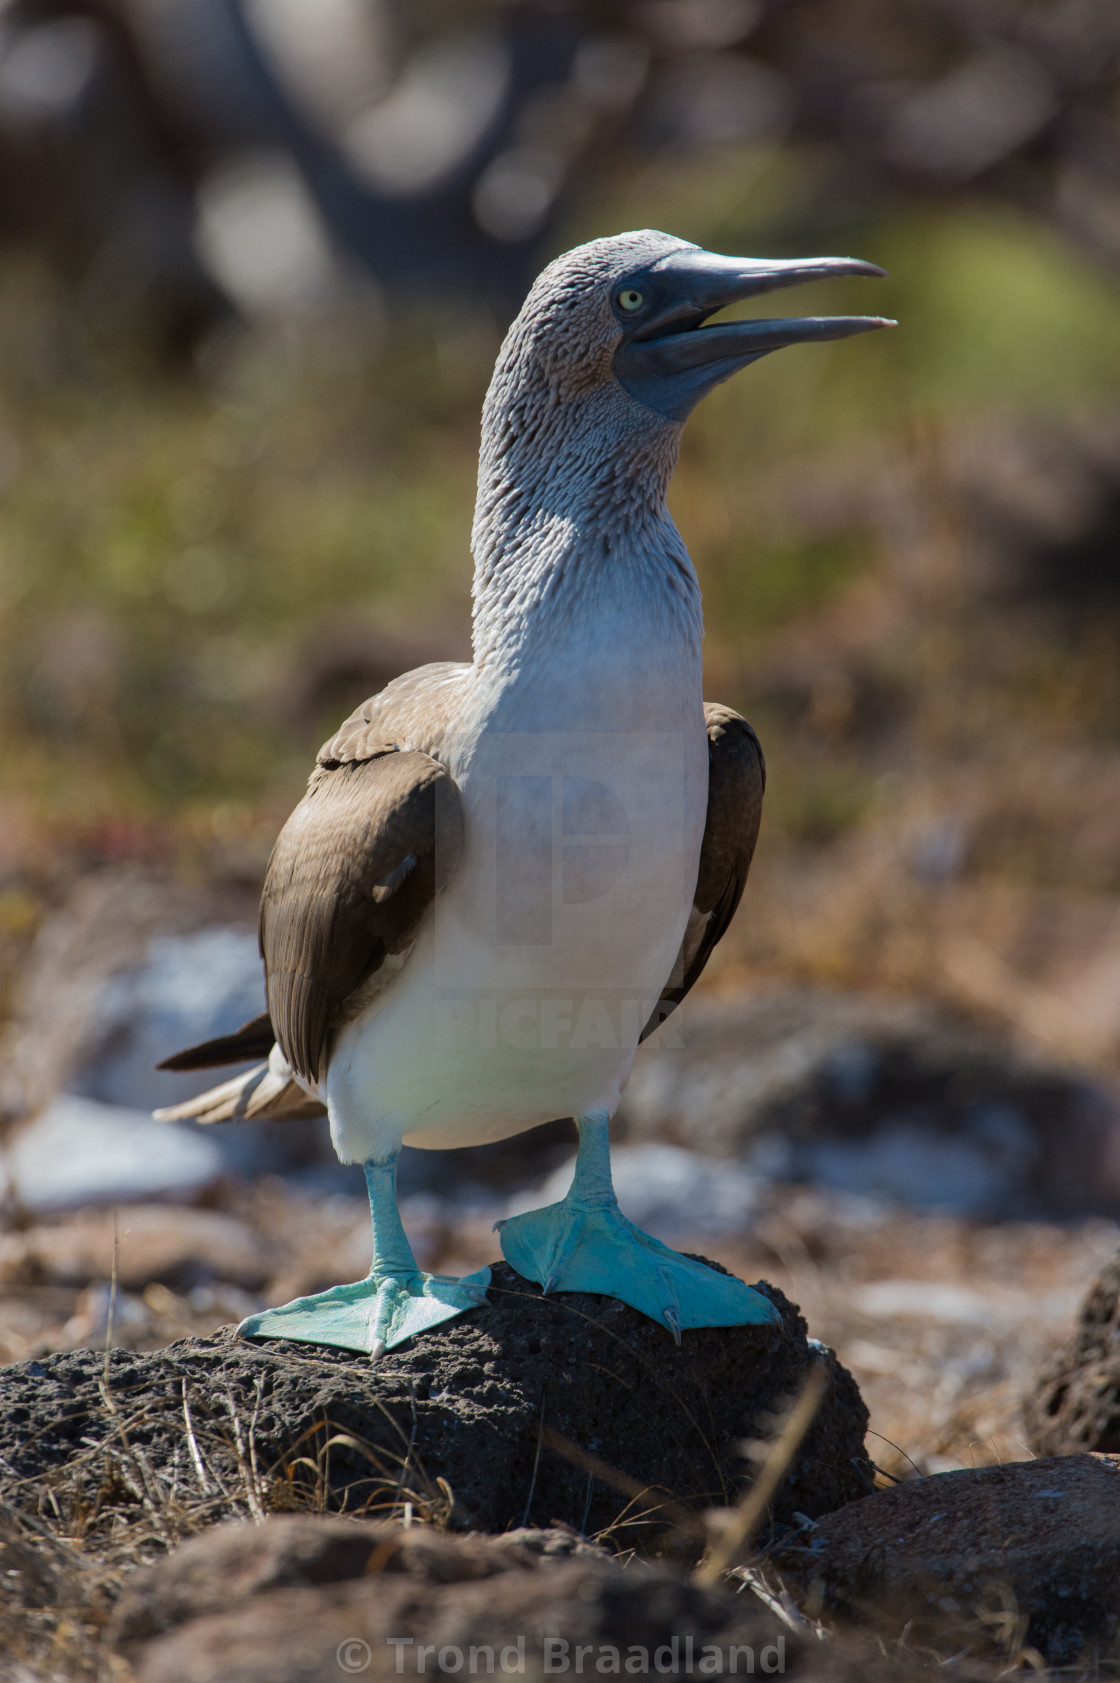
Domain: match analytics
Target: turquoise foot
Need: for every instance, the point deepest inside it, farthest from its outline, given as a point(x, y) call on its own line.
point(573, 1246)
point(374, 1314)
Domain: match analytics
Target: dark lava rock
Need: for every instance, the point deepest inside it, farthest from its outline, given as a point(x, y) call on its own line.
point(468, 1420)
point(260, 1604)
point(1075, 1404)
point(993, 1561)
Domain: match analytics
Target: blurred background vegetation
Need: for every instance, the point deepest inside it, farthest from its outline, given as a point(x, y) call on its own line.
point(257, 261)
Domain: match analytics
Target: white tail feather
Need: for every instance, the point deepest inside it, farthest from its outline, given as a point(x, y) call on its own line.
point(257, 1093)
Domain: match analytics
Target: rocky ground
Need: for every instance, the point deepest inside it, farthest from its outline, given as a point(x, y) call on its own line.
point(573, 1408)
point(144, 1491)
point(928, 1202)
point(943, 1321)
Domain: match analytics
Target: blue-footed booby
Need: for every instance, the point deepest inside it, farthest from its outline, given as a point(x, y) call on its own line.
point(504, 872)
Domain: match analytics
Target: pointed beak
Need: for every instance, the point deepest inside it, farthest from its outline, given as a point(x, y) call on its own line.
point(669, 358)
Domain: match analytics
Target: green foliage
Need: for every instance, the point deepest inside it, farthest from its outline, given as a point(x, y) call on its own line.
point(169, 547)
point(755, 587)
point(818, 803)
point(998, 310)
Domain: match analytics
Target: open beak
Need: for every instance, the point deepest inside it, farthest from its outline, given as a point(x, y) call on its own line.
point(669, 357)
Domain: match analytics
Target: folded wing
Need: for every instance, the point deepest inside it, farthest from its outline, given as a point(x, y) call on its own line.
point(353, 873)
point(736, 784)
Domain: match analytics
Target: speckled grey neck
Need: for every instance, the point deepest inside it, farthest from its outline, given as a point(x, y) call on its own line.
point(573, 473)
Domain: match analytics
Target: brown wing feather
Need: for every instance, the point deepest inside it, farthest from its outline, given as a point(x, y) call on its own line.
point(253, 1040)
point(736, 783)
point(352, 874)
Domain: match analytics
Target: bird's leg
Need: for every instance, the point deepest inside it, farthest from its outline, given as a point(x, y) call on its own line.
point(585, 1243)
point(394, 1301)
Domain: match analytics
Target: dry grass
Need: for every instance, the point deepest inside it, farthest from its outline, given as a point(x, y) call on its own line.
point(70, 1546)
point(942, 1381)
point(69, 1541)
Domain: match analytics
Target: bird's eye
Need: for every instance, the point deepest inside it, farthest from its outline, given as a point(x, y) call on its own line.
point(630, 300)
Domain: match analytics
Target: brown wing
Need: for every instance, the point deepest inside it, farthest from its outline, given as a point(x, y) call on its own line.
point(736, 782)
point(353, 872)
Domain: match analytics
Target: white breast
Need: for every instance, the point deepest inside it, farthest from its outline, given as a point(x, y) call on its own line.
point(584, 781)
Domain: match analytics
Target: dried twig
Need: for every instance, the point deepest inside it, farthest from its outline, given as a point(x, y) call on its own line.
point(111, 1316)
point(407, 1462)
point(252, 1495)
point(587, 1504)
point(253, 1467)
point(536, 1461)
point(192, 1442)
point(781, 1605)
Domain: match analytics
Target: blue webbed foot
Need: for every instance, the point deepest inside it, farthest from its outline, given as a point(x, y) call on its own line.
point(395, 1301)
point(566, 1248)
point(373, 1314)
point(585, 1243)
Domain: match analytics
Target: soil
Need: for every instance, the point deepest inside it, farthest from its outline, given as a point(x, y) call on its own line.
point(572, 1408)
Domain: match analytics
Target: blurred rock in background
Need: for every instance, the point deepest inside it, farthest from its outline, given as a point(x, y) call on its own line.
point(882, 1099)
point(877, 1098)
point(131, 968)
point(78, 1153)
point(124, 967)
point(1074, 1402)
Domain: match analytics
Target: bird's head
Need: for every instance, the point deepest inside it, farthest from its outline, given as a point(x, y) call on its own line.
point(623, 323)
point(610, 352)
